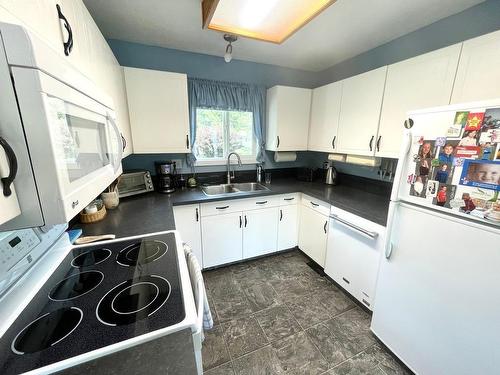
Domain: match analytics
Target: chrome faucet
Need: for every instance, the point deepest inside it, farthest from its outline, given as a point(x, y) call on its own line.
point(229, 177)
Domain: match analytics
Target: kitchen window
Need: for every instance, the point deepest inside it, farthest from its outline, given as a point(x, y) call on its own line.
point(220, 132)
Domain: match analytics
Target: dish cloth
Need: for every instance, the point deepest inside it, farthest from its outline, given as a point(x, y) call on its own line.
point(195, 275)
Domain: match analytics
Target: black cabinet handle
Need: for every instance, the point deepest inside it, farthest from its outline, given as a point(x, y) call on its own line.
point(240, 222)
point(288, 199)
point(324, 226)
point(197, 215)
point(277, 141)
point(187, 141)
point(221, 208)
point(68, 45)
point(371, 143)
point(263, 202)
point(333, 142)
point(281, 215)
point(124, 142)
point(378, 142)
point(246, 221)
point(314, 204)
point(347, 281)
point(12, 160)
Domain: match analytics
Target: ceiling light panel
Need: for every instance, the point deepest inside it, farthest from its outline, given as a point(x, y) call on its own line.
point(269, 20)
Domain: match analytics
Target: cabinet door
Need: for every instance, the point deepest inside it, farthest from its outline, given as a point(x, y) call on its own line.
point(187, 222)
point(288, 226)
point(360, 112)
point(313, 234)
point(158, 108)
point(288, 118)
point(478, 76)
point(324, 124)
point(222, 239)
point(260, 232)
point(420, 82)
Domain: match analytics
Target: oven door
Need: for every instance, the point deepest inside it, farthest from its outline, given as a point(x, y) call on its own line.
point(74, 143)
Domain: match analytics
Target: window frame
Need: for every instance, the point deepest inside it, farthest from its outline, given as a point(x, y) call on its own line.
point(245, 159)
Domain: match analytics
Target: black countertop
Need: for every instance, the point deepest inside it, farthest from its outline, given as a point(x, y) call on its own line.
point(153, 212)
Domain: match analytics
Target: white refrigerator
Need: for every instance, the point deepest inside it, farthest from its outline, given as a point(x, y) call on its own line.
point(437, 304)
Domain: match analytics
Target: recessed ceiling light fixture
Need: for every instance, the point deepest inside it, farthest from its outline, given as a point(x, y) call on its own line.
point(230, 39)
point(269, 20)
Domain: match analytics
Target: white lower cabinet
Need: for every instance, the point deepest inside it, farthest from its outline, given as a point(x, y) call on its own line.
point(313, 234)
point(288, 226)
point(222, 239)
point(260, 232)
point(353, 253)
point(188, 223)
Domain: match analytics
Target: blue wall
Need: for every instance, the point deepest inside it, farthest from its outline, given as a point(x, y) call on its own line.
point(146, 161)
point(208, 67)
point(475, 21)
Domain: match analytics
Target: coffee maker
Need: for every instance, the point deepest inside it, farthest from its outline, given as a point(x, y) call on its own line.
point(166, 174)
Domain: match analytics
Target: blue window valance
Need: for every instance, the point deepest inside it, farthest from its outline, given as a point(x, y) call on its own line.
point(231, 96)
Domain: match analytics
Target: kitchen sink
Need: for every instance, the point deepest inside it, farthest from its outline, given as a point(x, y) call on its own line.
point(250, 186)
point(229, 189)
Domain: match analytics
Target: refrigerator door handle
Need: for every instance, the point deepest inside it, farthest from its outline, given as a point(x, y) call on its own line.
point(388, 250)
point(388, 245)
point(405, 149)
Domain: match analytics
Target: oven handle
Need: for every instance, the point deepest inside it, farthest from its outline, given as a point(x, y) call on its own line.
point(366, 233)
point(119, 138)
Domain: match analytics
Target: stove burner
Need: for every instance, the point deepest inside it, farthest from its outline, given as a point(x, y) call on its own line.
point(133, 300)
point(47, 330)
point(143, 252)
point(91, 258)
point(76, 285)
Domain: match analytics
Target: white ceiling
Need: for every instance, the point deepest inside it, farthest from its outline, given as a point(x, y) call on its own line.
point(344, 30)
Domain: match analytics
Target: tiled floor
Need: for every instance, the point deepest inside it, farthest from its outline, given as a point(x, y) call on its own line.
point(277, 316)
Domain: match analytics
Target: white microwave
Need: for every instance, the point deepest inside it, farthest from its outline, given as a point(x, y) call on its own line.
point(61, 128)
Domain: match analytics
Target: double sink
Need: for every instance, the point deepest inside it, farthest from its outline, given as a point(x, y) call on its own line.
point(230, 189)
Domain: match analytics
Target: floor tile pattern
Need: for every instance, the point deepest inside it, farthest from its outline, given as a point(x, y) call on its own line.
point(276, 315)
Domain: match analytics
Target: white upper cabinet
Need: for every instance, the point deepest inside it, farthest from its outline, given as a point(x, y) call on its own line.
point(360, 112)
point(325, 111)
point(478, 74)
point(420, 82)
point(90, 54)
point(158, 108)
point(288, 110)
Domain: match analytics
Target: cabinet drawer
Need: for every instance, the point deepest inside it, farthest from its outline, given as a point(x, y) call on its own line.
point(289, 199)
point(221, 207)
point(315, 204)
point(260, 202)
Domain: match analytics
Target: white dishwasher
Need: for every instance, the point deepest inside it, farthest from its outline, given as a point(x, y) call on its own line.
point(353, 253)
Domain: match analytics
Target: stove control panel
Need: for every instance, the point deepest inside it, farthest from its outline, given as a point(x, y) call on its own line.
point(14, 246)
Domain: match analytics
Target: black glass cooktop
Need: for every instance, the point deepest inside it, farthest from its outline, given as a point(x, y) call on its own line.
point(99, 295)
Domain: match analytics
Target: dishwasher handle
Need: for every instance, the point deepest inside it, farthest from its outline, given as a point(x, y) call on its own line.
point(365, 232)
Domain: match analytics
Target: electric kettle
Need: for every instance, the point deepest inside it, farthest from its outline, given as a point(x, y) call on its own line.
point(331, 175)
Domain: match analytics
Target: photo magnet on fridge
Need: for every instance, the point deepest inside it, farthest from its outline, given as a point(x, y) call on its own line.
point(491, 119)
point(444, 195)
point(455, 130)
point(481, 173)
point(474, 121)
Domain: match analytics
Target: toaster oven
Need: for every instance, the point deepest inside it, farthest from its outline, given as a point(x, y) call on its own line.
point(135, 182)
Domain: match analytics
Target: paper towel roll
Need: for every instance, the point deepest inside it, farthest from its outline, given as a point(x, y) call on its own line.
point(337, 157)
point(285, 156)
